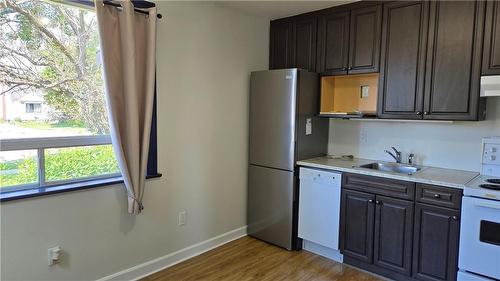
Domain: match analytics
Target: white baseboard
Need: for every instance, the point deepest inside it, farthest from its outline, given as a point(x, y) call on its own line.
point(152, 266)
point(322, 251)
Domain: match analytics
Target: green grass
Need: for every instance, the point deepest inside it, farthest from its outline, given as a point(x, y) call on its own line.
point(48, 125)
point(68, 124)
point(61, 164)
point(32, 124)
point(78, 162)
point(27, 172)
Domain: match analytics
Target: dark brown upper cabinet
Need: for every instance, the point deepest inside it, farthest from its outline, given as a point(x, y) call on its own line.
point(293, 43)
point(349, 40)
point(431, 61)
point(454, 61)
point(281, 45)
point(491, 49)
point(402, 63)
point(304, 49)
point(364, 42)
point(430, 54)
point(334, 43)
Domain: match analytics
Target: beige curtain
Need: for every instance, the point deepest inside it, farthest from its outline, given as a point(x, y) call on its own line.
point(128, 42)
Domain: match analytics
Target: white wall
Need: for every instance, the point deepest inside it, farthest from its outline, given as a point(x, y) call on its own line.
point(455, 146)
point(205, 55)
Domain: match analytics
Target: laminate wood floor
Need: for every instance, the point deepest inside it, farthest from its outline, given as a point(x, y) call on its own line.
point(251, 259)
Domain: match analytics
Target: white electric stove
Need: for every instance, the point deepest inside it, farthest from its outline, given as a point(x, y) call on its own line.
point(479, 256)
point(487, 187)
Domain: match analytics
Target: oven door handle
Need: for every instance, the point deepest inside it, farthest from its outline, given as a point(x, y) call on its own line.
point(487, 204)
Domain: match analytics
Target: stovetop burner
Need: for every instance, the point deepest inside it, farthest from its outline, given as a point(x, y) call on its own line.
point(490, 186)
point(494, 181)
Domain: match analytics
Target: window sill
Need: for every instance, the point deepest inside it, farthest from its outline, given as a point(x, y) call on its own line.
point(30, 193)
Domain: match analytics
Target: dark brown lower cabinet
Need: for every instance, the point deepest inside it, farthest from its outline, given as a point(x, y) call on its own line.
point(406, 238)
point(435, 253)
point(393, 234)
point(358, 216)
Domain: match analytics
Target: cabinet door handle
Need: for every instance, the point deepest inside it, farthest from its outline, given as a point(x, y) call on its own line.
point(345, 68)
point(349, 68)
point(419, 113)
point(426, 113)
point(454, 218)
point(437, 196)
point(370, 201)
point(378, 202)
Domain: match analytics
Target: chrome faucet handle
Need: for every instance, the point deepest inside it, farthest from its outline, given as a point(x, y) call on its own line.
point(410, 158)
point(396, 157)
point(398, 154)
point(397, 151)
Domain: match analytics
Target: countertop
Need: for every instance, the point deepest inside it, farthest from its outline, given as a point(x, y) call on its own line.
point(427, 175)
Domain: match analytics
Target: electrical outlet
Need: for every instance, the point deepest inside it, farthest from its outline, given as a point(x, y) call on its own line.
point(54, 255)
point(182, 218)
point(363, 138)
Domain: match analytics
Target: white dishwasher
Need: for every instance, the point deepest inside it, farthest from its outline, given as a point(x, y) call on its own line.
point(319, 211)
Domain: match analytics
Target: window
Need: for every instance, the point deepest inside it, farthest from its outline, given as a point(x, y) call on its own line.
point(33, 107)
point(52, 56)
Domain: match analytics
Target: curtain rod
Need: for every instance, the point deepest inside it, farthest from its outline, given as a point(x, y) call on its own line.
point(138, 5)
point(145, 5)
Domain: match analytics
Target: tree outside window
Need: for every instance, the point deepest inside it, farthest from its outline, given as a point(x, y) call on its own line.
point(53, 50)
point(51, 86)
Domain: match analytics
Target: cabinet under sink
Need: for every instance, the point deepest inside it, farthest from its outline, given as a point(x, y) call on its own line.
point(402, 230)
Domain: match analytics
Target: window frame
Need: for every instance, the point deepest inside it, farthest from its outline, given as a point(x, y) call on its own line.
point(40, 144)
point(36, 109)
point(41, 187)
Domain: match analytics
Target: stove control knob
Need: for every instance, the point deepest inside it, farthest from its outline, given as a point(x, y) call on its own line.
point(493, 157)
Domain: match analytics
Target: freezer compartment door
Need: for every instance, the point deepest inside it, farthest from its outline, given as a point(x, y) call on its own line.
point(270, 205)
point(272, 118)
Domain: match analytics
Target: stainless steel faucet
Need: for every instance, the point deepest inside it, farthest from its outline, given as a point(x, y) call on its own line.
point(396, 156)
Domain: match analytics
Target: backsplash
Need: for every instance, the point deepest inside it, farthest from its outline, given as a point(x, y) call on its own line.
point(456, 145)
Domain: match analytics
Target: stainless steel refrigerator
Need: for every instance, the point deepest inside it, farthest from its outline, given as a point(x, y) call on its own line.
point(284, 128)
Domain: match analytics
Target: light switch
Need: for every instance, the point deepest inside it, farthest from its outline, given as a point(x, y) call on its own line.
point(309, 126)
point(365, 91)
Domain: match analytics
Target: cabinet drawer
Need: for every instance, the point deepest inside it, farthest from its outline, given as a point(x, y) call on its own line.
point(381, 186)
point(439, 195)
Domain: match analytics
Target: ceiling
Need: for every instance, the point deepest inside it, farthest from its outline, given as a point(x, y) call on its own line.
point(279, 9)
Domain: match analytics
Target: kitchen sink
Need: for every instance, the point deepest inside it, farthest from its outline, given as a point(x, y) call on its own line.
point(392, 167)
